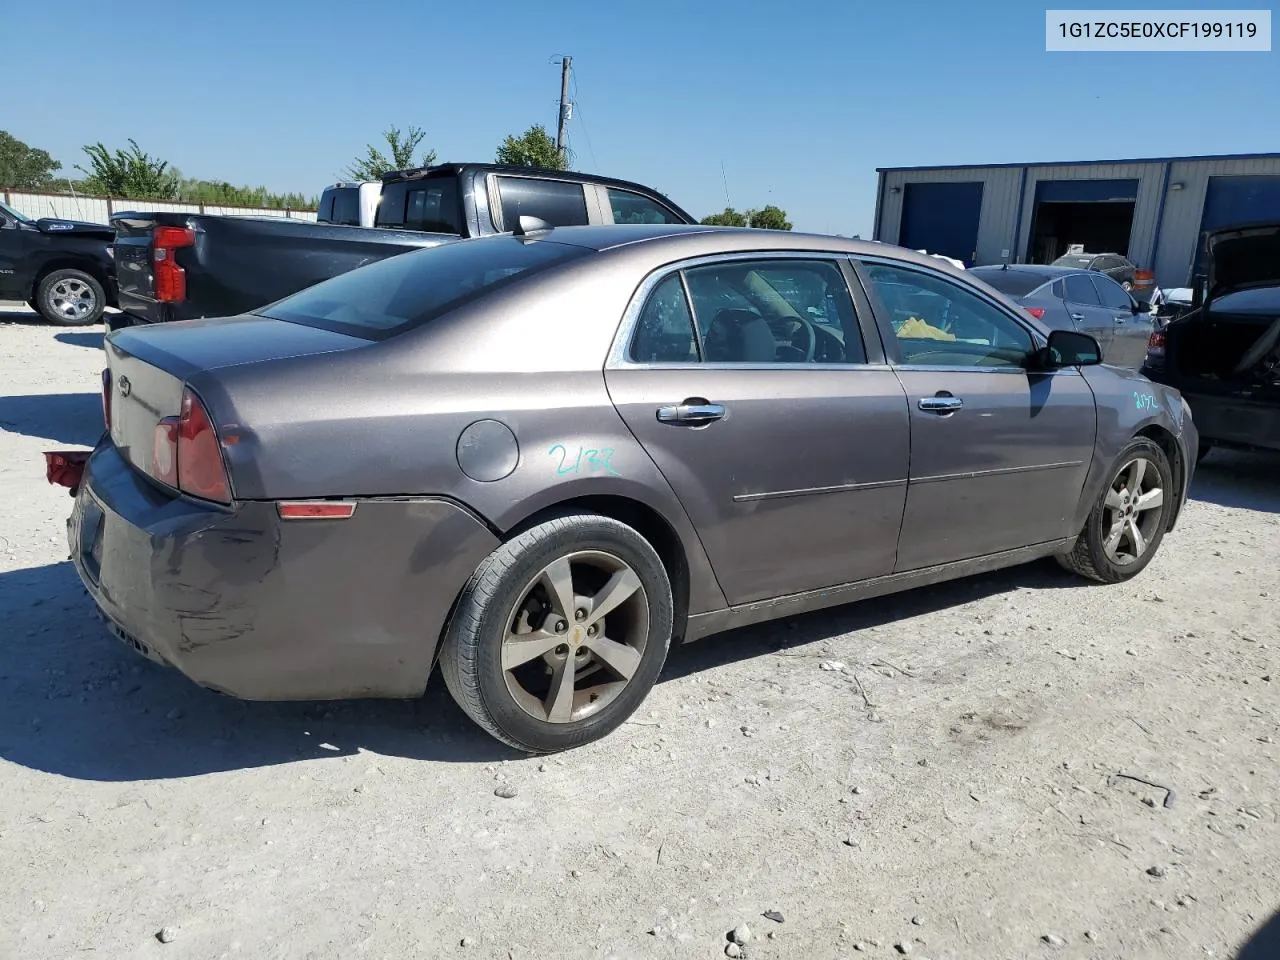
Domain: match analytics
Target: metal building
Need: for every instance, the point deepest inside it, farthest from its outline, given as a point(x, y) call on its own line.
point(1153, 211)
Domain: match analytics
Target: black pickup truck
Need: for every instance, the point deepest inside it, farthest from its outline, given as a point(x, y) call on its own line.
point(62, 268)
point(179, 266)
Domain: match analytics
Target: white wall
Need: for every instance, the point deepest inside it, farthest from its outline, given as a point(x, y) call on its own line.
point(99, 209)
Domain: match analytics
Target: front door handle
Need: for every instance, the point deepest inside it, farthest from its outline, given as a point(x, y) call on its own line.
point(1078, 317)
point(941, 404)
point(692, 412)
point(1122, 319)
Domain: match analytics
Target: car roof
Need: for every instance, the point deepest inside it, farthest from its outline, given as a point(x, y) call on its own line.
point(714, 239)
point(1045, 270)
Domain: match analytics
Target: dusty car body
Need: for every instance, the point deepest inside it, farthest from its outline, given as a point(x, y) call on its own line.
point(538, 460)
point(1224, 353)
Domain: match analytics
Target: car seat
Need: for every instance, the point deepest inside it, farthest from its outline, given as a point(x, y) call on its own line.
point(739, 336)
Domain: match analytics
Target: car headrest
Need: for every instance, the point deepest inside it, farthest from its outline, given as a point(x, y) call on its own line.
point(740, 336)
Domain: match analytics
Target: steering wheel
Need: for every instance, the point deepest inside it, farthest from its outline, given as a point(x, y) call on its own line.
point(790, 326)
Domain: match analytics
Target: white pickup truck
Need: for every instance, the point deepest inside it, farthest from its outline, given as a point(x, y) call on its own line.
point(350, 203)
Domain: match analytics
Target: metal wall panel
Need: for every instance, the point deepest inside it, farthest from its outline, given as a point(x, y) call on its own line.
point(1184, 210)
point(999, 204)
point(1146, 208)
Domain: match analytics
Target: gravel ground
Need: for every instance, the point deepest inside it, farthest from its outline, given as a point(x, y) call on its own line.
point(934, 773)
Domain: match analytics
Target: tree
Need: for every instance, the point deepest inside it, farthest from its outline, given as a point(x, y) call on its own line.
point(375, 163)
point(22, 166)
point(769, 218)
point(131, 174)
point(729, 218)
point(533, 148)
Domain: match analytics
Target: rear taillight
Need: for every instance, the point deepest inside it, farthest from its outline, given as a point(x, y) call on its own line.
point(1155, 348)
point(170, 279)
point(1143, 278)
point(106, 398)
point(185, 453)
point(1037, 312)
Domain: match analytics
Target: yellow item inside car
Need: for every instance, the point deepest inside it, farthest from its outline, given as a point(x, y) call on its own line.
point(917, 329)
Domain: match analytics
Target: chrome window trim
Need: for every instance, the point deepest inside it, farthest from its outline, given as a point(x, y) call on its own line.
point(617, 358)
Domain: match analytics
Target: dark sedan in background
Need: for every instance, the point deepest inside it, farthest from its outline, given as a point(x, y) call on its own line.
point(1141, 283)
point(540, 459)
point(1068, 298)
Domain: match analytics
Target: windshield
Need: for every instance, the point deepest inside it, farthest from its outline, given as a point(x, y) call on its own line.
point(14, 213)
point(411, 289)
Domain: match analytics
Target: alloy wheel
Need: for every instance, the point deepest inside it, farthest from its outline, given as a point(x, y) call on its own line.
point(1134, 511)
point(576, 637)
point(72, 298)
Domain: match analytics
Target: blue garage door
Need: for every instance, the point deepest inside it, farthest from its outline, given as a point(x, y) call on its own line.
point(942, 218)
point(1237, 200)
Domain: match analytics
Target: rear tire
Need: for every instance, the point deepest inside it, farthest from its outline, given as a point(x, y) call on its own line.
point(70, 298)
point(1128, 521)
point(513, 632)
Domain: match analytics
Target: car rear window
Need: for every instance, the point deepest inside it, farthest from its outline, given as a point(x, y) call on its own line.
point(1073, 260)
point(1013, 283)
point(408, 290)
point(429, 204)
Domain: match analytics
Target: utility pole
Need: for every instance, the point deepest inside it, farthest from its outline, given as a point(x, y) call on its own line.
point(564, 105)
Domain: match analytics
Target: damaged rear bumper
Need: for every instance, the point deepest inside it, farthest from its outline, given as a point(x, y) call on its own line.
point(264, 609)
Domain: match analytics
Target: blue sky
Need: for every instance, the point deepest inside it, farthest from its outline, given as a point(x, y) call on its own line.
point(799, 101)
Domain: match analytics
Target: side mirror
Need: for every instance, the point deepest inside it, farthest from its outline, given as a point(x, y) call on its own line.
point(1070, 348)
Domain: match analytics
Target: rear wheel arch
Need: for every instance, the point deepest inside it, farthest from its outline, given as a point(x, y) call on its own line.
point(646, 521)
point(641, 517)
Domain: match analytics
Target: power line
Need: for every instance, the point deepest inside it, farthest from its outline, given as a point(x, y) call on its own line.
point(573, 79)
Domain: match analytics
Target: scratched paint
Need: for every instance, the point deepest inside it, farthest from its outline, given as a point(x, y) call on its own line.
point(577, 461)
point(1145, 401)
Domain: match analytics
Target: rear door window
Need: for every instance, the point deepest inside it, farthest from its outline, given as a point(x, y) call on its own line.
point(1080, 290)
point(630, 207)
point(558, 202)
point(1111, 293)
point(431, 205)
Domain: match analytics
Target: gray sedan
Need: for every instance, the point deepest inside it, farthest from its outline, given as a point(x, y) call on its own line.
point(535, 461)
point(1067, 298)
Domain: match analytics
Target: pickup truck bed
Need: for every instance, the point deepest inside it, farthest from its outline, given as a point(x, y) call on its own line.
point(178, 266)
point(237, 264)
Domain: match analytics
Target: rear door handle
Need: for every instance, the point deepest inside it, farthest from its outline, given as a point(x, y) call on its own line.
point(1077, 317)
point(691, 413)
point(941, 404)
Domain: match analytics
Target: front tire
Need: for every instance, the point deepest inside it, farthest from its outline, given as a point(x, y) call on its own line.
point(560, 633)
point(1128, 520)
point(70, 298)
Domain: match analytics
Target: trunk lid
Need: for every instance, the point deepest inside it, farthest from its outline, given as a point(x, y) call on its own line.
point(1239, 257)
point(149, 367)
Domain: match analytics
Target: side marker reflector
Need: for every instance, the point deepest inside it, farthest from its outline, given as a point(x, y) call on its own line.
point(314, 510)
